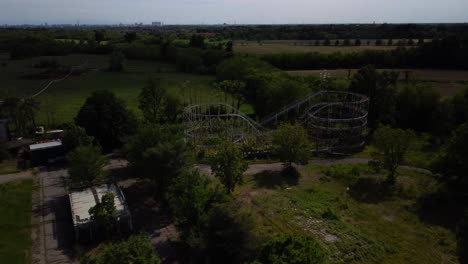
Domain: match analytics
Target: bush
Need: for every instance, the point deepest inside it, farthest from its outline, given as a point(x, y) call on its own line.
point(292, 249)
point(462, 239)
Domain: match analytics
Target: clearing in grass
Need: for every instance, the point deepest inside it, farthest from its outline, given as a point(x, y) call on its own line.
point(348, 208)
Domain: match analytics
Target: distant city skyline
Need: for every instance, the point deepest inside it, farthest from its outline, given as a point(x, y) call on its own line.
point(232, 11)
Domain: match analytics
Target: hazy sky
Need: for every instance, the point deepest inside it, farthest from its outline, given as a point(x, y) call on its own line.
point(232, 11)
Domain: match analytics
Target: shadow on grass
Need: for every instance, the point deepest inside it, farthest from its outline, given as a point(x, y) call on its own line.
point(273, 179)
point(441, 208)
point(370, 190)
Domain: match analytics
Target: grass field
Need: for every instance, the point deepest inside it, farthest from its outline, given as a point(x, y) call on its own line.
point(359, 225)
point(445, 82)
point(15, 222)
point(8, 166)
point(62, 100)
point(297, 46)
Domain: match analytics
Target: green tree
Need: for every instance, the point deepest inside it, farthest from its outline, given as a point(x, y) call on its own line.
point(151, 100)
point(229, 46)
point(86, 166)
point(190, 197)
point(292, 249)
point(172, 108)
point(137, 249)
point(106, 118)
point(104, 213)
point(158, 152)
point(292, 144)
point(75, 136)
point(229, 166)
point(234, 88)
point(98, 35)
point(462, 239)
point(392, 145)
point(116, 61)
point(453, 163)
point(130, 37)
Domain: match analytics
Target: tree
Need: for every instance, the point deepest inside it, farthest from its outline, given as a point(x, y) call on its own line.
point(75, 136)
point(158, 152)
point(151, 100)
point(137, 249)
point(86, 166)
point(229, 46)
point(453, 163)
point(462, 239)
point(292, 249)
point(130, 37)
point(98, 35)
point(229, 166)
point(292, 144)
point(227, 234)
point(197, 41)
point(190, 197)
point(357, 42)
point(116, 61)
point(233, 87)
point(106, 118)
point(172, 108)
point(104, 213)
point(392, 145)
point(380, 88)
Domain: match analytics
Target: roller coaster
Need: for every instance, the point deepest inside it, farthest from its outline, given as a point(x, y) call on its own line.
point(336, 121)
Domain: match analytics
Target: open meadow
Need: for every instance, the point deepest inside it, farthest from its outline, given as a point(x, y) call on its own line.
point(15, 222)
point(62, 100)
point(351, 211)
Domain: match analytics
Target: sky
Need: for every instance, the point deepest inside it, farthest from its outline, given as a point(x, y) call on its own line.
point(232, 11)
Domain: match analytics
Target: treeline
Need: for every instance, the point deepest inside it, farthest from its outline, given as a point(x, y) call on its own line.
point(345, 31)
point(447, 53)
point(194, 56)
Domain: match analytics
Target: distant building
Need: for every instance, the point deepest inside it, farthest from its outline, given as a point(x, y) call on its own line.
point(82, 201)
point(46, 152)
point(157, 24)
point(4, 131)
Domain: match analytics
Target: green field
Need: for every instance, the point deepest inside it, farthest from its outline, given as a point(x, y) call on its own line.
point(62, 100)
point(445, 82)
point(8, 166)
point(297, 46)
point(358, 225)
point(15, 222)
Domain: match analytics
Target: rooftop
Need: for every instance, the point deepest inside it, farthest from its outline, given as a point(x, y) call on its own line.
point(45, 145)
point(82, 201)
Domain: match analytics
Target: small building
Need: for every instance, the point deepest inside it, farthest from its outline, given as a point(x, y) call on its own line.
point(82, 201)
point(46, 152)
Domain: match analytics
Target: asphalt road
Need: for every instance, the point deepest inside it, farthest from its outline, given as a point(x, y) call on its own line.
point(53, 235)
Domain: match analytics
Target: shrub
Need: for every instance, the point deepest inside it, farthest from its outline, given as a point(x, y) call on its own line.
point(293, 250)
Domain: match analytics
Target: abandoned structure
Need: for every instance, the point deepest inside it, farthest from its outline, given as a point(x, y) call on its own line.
point(336, 121)
point(46, 152)
point(82, 201)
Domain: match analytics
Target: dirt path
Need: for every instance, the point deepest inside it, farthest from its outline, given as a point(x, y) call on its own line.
point(15, 176)
point(277, 166)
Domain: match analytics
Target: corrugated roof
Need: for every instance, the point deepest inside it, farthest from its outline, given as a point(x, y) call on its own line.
point(45, 145)
point(81, 202)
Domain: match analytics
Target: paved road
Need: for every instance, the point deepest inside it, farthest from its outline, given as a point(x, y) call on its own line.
point(53, 236)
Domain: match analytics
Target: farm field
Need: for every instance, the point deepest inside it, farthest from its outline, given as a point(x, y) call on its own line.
point(347, 208)
point(288, 46)
point(446, 82)
point(62, 100)
point(15, 222)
